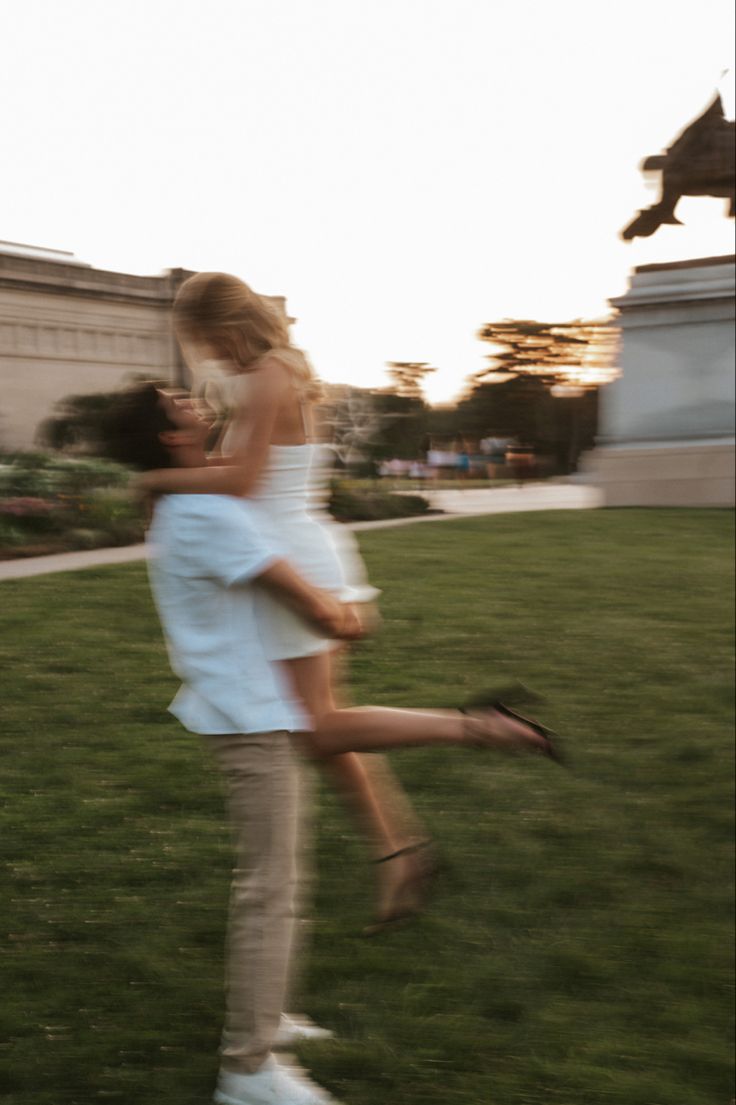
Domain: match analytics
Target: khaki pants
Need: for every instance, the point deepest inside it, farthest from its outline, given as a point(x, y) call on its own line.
point(261, 772)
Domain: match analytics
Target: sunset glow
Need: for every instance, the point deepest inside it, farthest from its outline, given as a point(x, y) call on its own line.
point(403, 171)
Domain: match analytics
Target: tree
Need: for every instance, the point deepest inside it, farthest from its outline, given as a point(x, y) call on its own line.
point(77, 424)
point(577, 353)
point(541, 385)
point(398, 414)
point(408, 377)
point(349, 419)
point(516, 407)
point(403, 425)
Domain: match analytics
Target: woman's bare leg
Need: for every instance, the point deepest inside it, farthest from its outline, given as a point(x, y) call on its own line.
point(314, 678)
point(339, 733)
point(367, 785)
point(378, 729)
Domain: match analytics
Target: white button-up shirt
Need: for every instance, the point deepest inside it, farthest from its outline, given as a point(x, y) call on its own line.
point(206, 552)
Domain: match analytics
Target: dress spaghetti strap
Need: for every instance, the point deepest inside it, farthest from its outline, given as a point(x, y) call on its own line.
point(305, 422)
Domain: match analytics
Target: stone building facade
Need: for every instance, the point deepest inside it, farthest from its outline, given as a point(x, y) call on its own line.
point(67, 328)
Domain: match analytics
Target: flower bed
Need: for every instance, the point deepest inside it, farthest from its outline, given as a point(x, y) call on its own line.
point(50, 503)
point(54, 504)
point(357, 504)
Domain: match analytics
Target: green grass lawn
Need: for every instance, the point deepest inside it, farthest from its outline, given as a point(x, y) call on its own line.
point(579, 949)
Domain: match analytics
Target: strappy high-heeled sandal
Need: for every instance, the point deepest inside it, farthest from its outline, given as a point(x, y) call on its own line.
point(501, 701)
point(410, 896)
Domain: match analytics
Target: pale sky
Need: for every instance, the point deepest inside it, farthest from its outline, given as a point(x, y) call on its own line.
point(401, 170)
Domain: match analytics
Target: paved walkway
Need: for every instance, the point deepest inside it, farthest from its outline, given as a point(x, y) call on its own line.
point(68, 562)
point(512, 500)
point(455, 504)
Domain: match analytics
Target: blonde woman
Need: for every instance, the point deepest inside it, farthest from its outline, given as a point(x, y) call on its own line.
point(266, 454)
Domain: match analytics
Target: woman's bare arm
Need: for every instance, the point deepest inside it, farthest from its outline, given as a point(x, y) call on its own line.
point(252, 429)
point(321, 609)
point(253, 426)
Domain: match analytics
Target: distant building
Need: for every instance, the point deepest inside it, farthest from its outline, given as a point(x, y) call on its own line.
point(67, 328)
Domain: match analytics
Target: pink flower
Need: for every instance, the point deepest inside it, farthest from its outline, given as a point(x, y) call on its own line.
point(26, 506)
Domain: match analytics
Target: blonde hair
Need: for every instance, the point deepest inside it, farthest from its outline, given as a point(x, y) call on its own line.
point(241, 325)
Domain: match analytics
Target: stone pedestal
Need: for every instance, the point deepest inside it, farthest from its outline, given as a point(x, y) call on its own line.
point(667, 425)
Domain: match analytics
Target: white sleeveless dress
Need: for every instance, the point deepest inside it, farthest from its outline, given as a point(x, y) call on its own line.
point(289, 497)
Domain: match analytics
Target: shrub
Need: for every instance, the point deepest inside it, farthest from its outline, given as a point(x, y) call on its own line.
point(12, 534)
point(45, 475)
point(116, 514)
point(353, 505)
point(70, 503)
point(85, 504)
point(31, 515)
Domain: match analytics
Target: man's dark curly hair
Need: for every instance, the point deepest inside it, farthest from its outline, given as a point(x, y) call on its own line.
point(132, 426)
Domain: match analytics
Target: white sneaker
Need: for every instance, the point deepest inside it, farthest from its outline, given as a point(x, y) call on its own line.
point(271, 1085)
point(298, 1030)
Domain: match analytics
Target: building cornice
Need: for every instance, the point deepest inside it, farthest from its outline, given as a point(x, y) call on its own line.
point(32, 274)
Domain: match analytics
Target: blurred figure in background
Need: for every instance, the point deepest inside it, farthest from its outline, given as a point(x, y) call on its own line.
point(521, 462)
